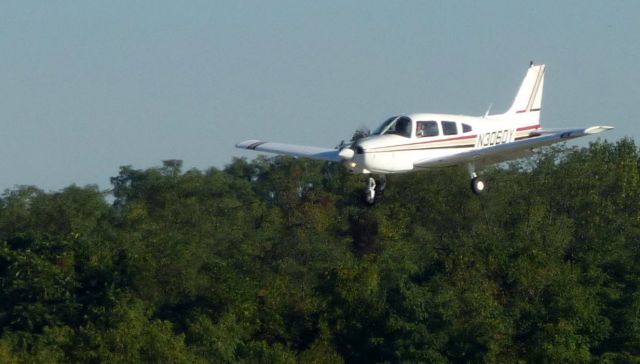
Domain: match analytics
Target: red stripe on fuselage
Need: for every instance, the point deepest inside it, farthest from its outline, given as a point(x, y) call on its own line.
point(529, 127)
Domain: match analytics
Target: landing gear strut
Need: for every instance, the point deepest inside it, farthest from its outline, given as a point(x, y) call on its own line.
point(373, 189)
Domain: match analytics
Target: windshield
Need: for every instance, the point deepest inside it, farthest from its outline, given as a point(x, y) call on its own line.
point(384, 126)
point(400, 125)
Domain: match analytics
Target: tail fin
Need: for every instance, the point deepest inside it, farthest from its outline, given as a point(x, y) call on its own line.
point(528, 102)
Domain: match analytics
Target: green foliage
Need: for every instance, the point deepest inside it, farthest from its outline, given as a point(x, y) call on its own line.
point(277, 260)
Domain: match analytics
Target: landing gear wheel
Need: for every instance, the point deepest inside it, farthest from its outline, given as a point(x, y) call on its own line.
point(477, 185)
point(369, 198)
point(370, 193)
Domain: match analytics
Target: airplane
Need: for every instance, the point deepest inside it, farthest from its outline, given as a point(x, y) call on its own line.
point(420, 141)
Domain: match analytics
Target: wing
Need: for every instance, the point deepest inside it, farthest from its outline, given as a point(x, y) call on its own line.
point(291, 149)
point(514, 150)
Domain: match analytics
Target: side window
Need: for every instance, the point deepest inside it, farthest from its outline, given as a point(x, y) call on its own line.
point(426, 129)
point(466, 128)
point(449, 128)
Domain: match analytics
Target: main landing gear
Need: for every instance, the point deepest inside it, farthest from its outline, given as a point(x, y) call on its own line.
point(373, 189)
point(477, 185)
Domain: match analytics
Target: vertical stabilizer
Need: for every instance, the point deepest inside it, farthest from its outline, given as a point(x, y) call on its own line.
point(528, 102)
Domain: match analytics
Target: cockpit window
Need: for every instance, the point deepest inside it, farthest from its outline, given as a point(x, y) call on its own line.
point(426, 129)
point(400, 125)
point(449, 128)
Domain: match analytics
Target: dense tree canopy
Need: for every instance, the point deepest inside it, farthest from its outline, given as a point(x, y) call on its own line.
point(277, 260)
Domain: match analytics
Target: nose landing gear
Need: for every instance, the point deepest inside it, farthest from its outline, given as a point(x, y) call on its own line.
point(370, 193)
point(373, 189)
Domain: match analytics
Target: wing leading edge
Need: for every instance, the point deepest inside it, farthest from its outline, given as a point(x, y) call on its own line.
point(518, 149)
point(291, 149)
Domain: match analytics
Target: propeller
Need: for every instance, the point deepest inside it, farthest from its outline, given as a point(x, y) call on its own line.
point(346, 149)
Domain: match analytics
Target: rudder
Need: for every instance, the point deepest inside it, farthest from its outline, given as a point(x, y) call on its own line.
point(528, 102)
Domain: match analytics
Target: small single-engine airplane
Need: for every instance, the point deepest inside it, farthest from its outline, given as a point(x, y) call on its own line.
point(421, 141)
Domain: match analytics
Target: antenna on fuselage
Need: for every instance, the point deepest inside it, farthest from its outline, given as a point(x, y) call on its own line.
point(488, 110)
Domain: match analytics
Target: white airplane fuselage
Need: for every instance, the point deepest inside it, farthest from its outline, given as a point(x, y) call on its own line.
point(393, 153)
point(425, 140)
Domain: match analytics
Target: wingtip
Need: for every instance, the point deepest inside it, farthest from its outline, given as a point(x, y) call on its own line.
point(247, 143)
point(598, 129)
point(250, 144)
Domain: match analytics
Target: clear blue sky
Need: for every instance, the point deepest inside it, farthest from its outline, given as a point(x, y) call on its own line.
point(88, 86)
